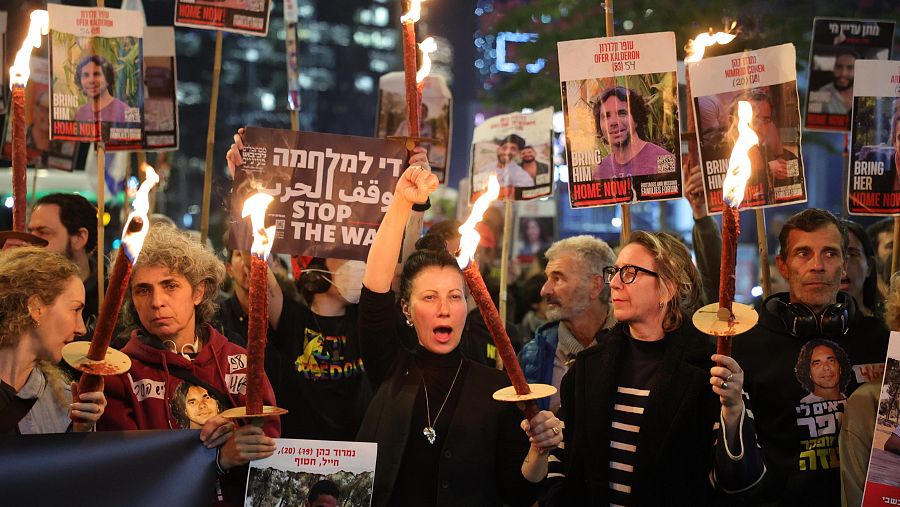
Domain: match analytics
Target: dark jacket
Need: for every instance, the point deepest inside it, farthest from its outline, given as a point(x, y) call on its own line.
point(536, 358)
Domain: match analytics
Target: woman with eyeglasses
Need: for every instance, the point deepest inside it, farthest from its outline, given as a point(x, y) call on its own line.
point(644, 408)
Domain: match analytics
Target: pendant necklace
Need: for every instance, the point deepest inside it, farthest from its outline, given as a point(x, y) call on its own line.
point(428, 431)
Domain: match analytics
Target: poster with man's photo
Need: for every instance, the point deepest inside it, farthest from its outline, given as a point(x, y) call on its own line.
point(883, 477)
point(331, 191)
point(160, 101)
point(518, 149)
point(249, 17)
point(40, 150)
point(837, 46)
point(767, 79)
point(305, 473)
point(873, 184)
point(95, 74)
point(435, 118)
point(620, 99)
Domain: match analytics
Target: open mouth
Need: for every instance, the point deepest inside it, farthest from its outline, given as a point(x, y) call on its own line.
point(443, 333)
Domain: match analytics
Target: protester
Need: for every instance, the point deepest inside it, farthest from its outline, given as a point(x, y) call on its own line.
point(861, 279)
point(798, 433)
point(638, 407)
point(578, 307)
point(881, 233)
point(534, 305)
point(705, 236)
point(41, 299)
point(467, 452)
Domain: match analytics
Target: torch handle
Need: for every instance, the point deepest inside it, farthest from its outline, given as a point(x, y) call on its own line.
point(112, 303)
point(730, 231)
point(19, 158)
point(257, 327)
point(409, 67)
point(723, 346)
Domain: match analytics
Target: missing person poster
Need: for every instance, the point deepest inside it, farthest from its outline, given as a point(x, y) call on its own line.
point(249, 17)
point(518, 149)
point(873, 184)
point(160, 102)
point(535, 230)
point(837, 45)
point(304, 473)
point(330, 191)
point(620, 100)
point(883, 477)
point(41, 151)
point(767, 79)
point(435, 119)
point(96, 74)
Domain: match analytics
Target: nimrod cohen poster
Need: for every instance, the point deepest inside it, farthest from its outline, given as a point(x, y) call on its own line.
point(249, 17)
point(330, 191)
point(95, 74)
point(620, 99)
point(874, 188)
point(837, 46)
point(767, 79)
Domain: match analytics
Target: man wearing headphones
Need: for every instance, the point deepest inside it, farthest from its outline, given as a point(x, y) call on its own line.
point(810, 336)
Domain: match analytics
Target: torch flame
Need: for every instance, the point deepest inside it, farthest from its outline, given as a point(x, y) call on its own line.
point(470, 237)
point(263, 238)
point(739, 164)
point(697, 46)
point(414, 12)
point(427, 46)
point(133, 241)
point(21, 70)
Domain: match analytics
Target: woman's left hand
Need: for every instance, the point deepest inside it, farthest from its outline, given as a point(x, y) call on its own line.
point(86, 408)
point(544, 430)
point(727, 380)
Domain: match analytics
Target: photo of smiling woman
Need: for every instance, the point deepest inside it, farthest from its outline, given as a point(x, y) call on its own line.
point(442, 439)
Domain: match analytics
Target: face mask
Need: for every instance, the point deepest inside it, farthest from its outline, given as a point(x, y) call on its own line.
point(348, 279)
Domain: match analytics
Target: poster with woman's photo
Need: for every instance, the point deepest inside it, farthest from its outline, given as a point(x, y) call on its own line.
point(620, 99)
point(249, 17)
point(873, 184)
point(160, 101)
point(883, 477)
point(436, 118)
point(518, 149)
point(767, 79)
point(305, 473)
point(95, 74)
point(837, 46)
point(41, 151)
point(534, 235)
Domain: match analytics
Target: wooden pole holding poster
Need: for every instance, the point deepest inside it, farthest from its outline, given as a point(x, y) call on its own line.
point(211, 139)
point(895, 259)
point(101, 211)
point(504, 267)
point(626, 208)
point(762, 240)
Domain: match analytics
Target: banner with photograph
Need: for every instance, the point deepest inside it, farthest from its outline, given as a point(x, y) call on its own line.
point(620, 100)
point(95, 74)
point(837, 46)
point(883, 476)
point(41, 151)
point(436, 118)
point(767, 78)
point(302, 473)
point(518, 148)
point(535, 229)
point(249, 17)
point(874, 187)
point(160, 101)
point(331, 191)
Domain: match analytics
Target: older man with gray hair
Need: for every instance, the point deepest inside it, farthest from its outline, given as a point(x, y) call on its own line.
point(577, 307)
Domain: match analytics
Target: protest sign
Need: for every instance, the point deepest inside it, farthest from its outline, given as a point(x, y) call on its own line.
point(883, 476)
point(249, 17)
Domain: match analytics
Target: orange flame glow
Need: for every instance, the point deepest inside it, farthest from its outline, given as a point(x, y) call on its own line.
point(414, 13)
point(697, 46)
point(263, 238)
point(470, 237)
point(739, 164)
point(132, 242)
point(427, 46)
point(21, 69)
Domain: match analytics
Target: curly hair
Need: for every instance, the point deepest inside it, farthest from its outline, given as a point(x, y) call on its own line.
point(637, 107)
point(168, 247)
point(26, 272)
point(892, 305)
point(802, 369)
point(178, 403)
point(108, 72)
point(675, 268)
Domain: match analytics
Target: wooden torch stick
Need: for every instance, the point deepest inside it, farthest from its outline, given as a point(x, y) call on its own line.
point(763, 242)
point(211, 140)
point(101, 211)
point(504, 267)
point(626, 208)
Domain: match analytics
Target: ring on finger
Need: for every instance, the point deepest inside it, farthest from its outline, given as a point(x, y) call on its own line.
point(730, 376)
point(556, 430)
point(725, 384)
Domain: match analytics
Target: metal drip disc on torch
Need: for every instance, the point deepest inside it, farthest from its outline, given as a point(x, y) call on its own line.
point(537, 391)
point(706, 319)
point(241, 412)
point(31, 239)
point(115, 362)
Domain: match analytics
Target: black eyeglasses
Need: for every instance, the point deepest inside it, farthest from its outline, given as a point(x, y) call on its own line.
point(627, 273)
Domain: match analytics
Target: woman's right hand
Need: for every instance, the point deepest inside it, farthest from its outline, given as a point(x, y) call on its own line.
point(247, 443)
point(234, 152)
point(417, 182)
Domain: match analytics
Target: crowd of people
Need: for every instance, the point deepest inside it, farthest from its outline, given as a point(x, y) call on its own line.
point(646, 411)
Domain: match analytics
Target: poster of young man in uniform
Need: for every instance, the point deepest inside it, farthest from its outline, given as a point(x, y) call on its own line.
point(883, 477)
point(95, 74)
point(331, 191)
point(249, 17)
point(41, 151)
point(305, 473)
point(160, 102)
point(874, 187)
point(620, 100)
point(767, 79)
point(518, 149)
point(837, 46)
point(435, 118)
